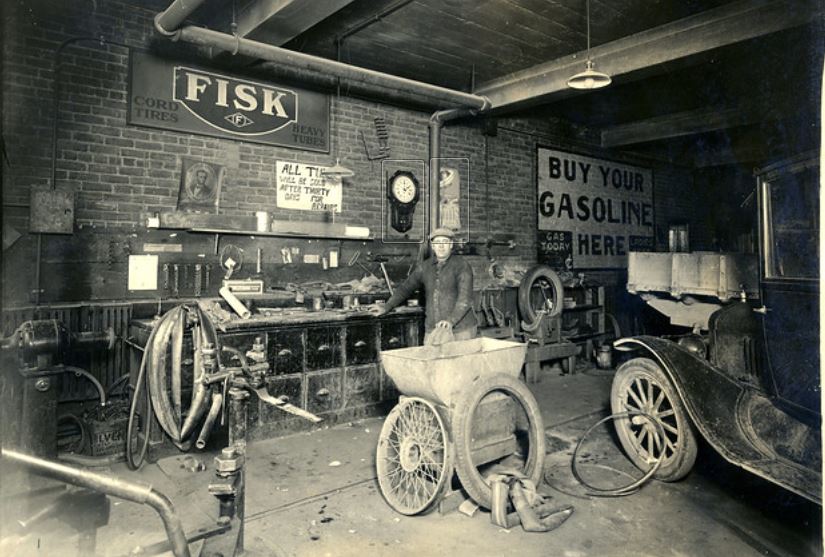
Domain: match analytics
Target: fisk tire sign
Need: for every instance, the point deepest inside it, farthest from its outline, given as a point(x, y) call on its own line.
point(190, 99)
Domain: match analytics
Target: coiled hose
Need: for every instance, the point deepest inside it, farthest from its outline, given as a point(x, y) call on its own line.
point(634, 486)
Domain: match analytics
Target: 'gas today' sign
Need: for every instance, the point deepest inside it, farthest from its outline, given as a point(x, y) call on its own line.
point(593, 210)
point(181, 97)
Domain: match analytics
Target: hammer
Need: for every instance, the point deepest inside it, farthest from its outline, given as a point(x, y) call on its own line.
point(381, 260)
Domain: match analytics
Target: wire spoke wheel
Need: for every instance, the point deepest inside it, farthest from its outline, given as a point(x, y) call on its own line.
point(640, 386)
point(413, 459)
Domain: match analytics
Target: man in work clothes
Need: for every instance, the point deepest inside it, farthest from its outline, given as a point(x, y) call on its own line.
point(448, 287)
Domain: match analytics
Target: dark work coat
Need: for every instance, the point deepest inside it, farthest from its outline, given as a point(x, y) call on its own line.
point(448, 288)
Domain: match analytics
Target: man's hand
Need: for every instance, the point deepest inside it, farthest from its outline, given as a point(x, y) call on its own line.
point(444, 325)
point(378, 310)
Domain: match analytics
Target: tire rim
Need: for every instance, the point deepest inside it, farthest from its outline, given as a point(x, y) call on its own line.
point(644, 395)
point(412, 459)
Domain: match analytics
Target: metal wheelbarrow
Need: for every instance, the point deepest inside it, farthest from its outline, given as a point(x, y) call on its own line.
point(463, 409)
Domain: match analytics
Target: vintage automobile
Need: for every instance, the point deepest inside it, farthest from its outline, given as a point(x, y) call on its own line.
point(745, 375)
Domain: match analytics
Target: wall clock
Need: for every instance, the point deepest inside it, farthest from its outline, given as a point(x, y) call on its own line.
point(403, 191)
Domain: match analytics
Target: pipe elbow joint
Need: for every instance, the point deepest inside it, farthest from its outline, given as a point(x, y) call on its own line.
point(174, 35)
point(486, 104)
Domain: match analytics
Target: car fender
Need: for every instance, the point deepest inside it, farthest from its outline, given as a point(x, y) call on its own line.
point(710, 397)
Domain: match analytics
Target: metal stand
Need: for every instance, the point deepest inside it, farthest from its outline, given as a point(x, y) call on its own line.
point(545, 343)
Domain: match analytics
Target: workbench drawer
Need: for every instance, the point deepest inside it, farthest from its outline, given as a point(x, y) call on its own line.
point(291, 386)
point(324, 391)
point(285, 351)
point(361, 386)
point(323, 348)
point(361, 344)
point(394, 334)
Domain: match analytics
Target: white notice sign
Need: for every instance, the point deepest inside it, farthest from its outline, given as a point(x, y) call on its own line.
point(301, 186)
point(143, 272)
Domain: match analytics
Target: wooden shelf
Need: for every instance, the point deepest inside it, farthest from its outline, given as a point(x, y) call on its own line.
point(283, 234)
point(585, 336)
point(246, 226)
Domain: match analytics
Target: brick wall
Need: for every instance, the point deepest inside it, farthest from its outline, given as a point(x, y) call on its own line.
point(120, 172)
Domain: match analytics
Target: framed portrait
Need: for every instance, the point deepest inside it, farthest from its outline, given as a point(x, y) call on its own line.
point(200, 186)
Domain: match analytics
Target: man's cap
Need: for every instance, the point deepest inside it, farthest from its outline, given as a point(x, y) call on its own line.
point(443, 231)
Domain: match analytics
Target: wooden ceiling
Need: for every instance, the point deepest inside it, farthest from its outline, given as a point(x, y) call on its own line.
point(701, 83)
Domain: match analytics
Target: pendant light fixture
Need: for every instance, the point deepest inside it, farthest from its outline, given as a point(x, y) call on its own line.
point(589, 78)
point(337, 170)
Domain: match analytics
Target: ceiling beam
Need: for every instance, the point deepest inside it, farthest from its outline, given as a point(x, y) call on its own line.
point(279, 21)
point(746, 155)
point(719, 27)
point(679, 124)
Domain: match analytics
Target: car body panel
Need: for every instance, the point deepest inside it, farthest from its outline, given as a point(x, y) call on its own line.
point(721, 409)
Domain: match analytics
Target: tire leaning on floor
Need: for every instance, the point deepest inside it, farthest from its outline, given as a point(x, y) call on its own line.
point(640, 384)
point(471, 479)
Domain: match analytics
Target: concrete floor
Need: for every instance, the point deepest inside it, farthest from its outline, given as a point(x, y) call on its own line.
point(298, 504)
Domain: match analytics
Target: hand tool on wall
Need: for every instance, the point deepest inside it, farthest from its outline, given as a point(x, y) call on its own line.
point(166, 276)
point(175, 279)
point(198, 279)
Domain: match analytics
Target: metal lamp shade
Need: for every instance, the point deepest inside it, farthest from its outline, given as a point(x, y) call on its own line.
point(338, 171)
point(589, 79)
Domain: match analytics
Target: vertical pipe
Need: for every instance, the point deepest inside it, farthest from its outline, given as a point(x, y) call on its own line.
point(238, 410)
point(436, 122)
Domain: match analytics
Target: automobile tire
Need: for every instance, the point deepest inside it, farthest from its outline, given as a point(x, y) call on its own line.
point(462, 427)
point(525, 302)
point(640, 385)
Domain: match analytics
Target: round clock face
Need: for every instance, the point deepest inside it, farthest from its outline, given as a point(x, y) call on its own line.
point(403, 188)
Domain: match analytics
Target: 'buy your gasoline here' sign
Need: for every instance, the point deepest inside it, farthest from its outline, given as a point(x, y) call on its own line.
point(599, 209)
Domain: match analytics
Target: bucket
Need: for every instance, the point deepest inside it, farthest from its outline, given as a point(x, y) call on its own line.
point(604, 356)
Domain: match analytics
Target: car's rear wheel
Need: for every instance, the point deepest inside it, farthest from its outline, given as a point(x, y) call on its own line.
point(642, 387)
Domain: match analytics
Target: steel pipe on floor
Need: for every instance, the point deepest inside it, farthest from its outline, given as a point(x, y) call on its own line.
point(110, 485)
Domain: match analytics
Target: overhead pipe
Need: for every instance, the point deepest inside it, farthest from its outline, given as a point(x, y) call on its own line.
point(170, 19)
point(110, 485)
point(293, 60)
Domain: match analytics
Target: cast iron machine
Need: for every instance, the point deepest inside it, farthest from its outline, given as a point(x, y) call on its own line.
point(32, 359)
